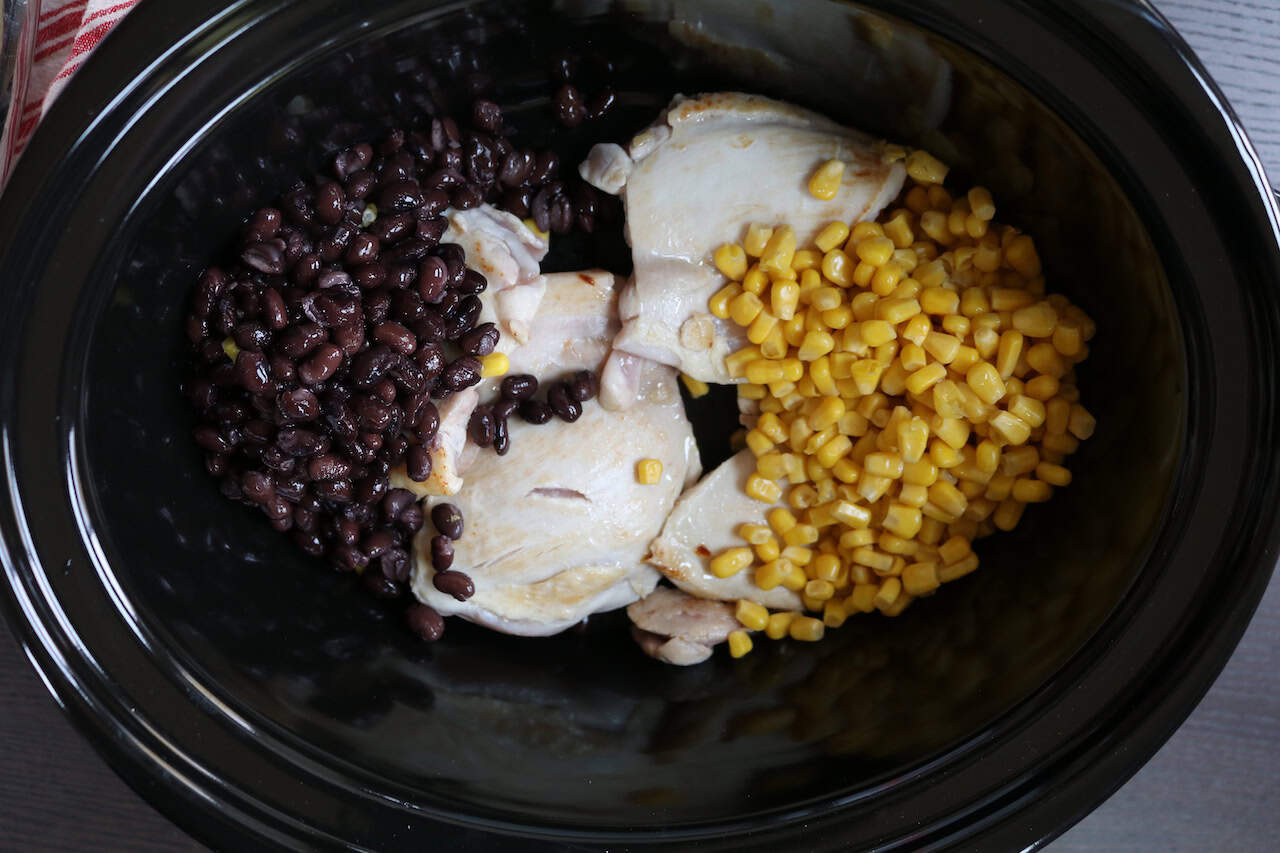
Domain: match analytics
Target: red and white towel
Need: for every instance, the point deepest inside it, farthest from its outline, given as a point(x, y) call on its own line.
point(64, 33)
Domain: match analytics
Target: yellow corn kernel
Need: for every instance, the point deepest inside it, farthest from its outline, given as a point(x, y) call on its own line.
point(1043, 358)
point(751, 615)
point(825, 298)
point(779, 251)
point(1021, 255)
point(832, 235)
point(533, 226)
point(925, 378)
point(793, 576)
point(230, 348)
point(986, 456)
point(924, 168)
point(1010, 428)
point(696, 387)
point(953, 431)
point(751, 391)
point(756, 238)
point(744, 308)
point(798, 555)
point(902, 520)
point(1007, 514)
point(974, 302)
point(920, 578)
point(939, 300)
point(954, 550)
point(807, 629)
point(947, 498)
point(947, 400)
point(767, 551)
point(887, 593)
point(739, 643)
point(761, 327)
point(872, 487)
point(942, 347)
point(731, 260)
point(815, 345)
point(891, 543)
point(648, 472)
point(736, 363)
point(779, 624)
point(731, 561)
point(1067, 340)
point(781, 520)
point(834, 613)
point(883, 465)
point(1081, 424)
point(833, 450)
point(913, 439)
point(985, 381)
point(825, 182)
point(946, 574)
point(837, 267)
point(763, 371)
point(845, 470)
point(1057, 416)
point(875, 250)
point(838, 318)
point(922, 473)
point(1054, 475)
point(754, 534)
point(1019, 460)
point(981, 204)
point(913, 495)
point(801, 534)
point(719, 302)
point(1027, 409)
point(806, 259)
point(1010, 299)
point(898, 229)
point(897, 310)
point(827, 413)
point(763, 490)
point(861, 599)
point(818, 589)
point(784, 296)
point(872, 559)
point(887, 279)
point(1036, 321)
point(494, 364)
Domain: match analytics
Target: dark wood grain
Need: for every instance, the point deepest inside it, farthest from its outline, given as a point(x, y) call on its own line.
point(1214, 787)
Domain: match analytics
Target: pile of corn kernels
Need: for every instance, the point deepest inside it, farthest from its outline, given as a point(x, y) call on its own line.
point(913, 389)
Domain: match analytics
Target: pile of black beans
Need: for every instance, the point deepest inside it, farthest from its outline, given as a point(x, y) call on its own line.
point(322, 347)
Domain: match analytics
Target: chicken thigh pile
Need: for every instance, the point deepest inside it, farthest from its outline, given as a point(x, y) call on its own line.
point(560, 527)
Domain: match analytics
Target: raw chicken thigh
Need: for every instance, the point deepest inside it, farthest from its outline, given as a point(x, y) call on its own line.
point(705, 522)
point(559, 528)
point(711, 164)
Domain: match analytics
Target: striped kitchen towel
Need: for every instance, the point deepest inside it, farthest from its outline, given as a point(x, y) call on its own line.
point(63, 34)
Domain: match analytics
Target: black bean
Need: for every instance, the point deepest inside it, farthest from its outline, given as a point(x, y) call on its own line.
point(291, 488)
point(395, 564)
point(351, 160)
point(472, 282)
point(428, 422)
point(601, 103)
point(461, 374)
point(455, 269)
point(400, 195)
point(359, 184)
point(430, 356)
point(395, 502)
point(396, 336)
point(447, 519)
point(505, 408)
point(215, 464)
point(369, 276)
point(560, 214)
point(480, 426)
point(433, 278)
point(501, 437)
point(418, 463)
point(563, 403)
point(363, 249)
point(441, 553)
point(298, 405)
point(253, 372)
point(425, 622)
point(535, 411)
point(464, 317)
point(280, 513)
point(265, 257)
point(545, 167)
point(516, 166)
point(330, 200)
point(349, 337)
point(197, 328)
point(568, 106)
point(487, 116)
point(328, 467)
point(337, 491)
point(258, 487)
point(434, 203)
point(411, 519)
point(258, 431)
point(407, 375)
point(394, 449)
point(393, 228)
point(519, 386)
point(213, 282)
point(402, 275)
point(456, 584)
point(307, 269)
point(333, 244)
point(370, 489)
point(563, 66)
point(322, 364)
point(408, 251)
point(585, 206)
point(210, 439)
point(481, 340)
point(517, 201)
point(380, 586)
point(348, 558)
point(300, 340)
point(251, 335)
point(467, 197)
point(273, 309)
point(372, 415)
point(368, 368)
point(583, 385)
point(377, 543)
point(446, 178)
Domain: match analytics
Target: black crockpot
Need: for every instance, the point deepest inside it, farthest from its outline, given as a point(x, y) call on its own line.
point(260, 702)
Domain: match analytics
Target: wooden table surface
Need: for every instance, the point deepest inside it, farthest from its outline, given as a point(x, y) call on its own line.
point(1215, 786)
